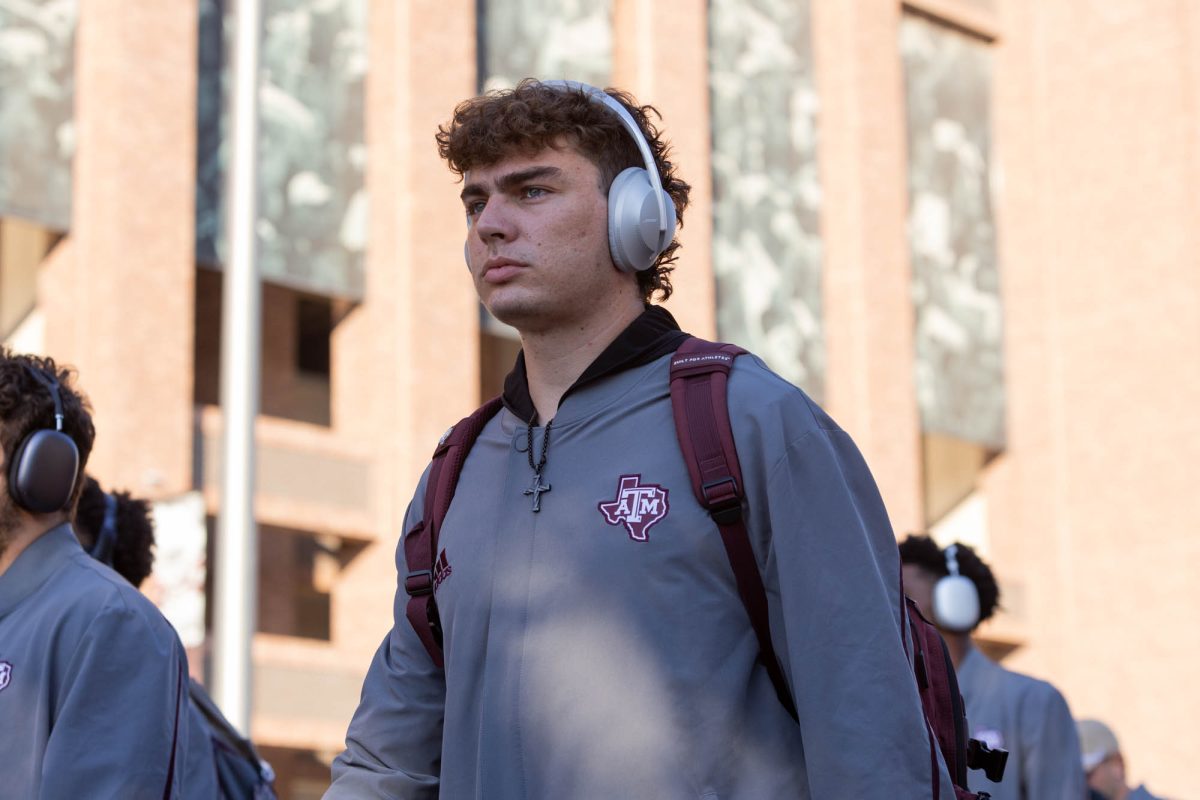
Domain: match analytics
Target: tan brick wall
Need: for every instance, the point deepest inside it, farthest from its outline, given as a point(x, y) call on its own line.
point(868, 308)
point(120, 308)
point(1097, 131)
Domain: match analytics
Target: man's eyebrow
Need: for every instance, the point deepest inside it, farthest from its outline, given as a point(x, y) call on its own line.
point(508, 181)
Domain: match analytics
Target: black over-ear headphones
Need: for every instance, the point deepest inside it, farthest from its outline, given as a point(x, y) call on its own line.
point(641, 215)
point(45, 464)
point(106, 539)
point(955, 598)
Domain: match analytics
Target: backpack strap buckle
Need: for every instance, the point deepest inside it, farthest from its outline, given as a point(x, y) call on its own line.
point(419, 583)
point(723, 500)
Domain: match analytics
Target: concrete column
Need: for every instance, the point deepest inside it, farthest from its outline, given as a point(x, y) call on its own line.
point(868, 302)
point(121, 307)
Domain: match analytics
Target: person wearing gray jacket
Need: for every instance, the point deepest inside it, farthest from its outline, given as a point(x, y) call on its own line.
point(1104, 763)
point(595, 644)
point(1023, 715)
point(92, 677)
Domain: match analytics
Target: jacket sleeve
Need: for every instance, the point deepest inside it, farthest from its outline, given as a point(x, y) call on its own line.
point(1051, 766)
point(120, 729)
point(831, 568)
point(394, 743)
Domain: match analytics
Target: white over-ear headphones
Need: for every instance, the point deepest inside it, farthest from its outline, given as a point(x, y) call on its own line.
point(955, 598)
point(641, 215)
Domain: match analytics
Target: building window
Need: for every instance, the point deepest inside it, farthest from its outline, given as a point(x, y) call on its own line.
point(314, 327)
point(959, 371)
point(297, 330)
point(37, 111)
point(766, 196)
point(312, 213)
point(544, 39)
point(297, 571)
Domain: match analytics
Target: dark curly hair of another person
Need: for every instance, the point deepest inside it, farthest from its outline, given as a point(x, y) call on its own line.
point(133, 552)
point(523, 121)
point(27, 406)
point(921, 551)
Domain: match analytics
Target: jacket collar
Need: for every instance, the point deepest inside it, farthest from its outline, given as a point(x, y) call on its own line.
point(652, 335)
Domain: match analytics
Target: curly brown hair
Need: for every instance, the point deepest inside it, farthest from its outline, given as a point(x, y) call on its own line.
point(133, 552)
point(533, 116)
point(26, 406)
point(920, 550)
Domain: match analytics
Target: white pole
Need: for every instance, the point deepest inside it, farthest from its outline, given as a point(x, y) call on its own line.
point(236, 592)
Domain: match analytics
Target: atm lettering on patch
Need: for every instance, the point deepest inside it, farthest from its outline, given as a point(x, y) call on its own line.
point(637, 506)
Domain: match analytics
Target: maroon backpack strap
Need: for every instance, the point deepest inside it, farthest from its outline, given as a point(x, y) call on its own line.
point(699, 376)
point(420, 544)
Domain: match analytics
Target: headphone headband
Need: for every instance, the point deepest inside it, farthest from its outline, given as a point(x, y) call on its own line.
point(51, 385)
point(955, 597)
point(639, 138)
point(45, 464)
point(952, 559)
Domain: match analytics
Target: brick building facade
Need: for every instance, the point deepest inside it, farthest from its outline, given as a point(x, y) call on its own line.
point(1085, 142)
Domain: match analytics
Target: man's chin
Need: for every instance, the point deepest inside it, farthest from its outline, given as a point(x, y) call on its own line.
point(515, 312)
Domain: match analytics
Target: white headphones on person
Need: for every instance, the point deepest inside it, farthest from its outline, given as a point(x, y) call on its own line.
point(955, 598)
point(641, 215)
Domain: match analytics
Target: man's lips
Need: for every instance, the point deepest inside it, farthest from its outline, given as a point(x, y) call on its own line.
point(499, 270)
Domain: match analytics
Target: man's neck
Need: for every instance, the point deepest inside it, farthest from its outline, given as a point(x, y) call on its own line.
point(29, 531)
point(959, 645)
point(555, 358)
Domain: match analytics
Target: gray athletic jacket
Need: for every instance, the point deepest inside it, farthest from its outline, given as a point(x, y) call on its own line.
point(93, 686)
point(599, 649)
point(1030, 719)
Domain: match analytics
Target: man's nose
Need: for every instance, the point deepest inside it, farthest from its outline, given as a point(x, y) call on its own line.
point(494, 221)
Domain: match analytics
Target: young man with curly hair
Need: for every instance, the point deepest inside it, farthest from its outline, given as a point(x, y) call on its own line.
point(92, 677)
point(594, 641)
point(1025, 716)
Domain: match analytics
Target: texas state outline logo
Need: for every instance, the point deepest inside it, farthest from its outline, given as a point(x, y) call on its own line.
point(637, 506)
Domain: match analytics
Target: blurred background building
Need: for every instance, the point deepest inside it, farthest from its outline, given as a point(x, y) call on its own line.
point(969, 228)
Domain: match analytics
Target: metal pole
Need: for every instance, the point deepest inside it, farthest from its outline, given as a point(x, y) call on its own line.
point(236, 592)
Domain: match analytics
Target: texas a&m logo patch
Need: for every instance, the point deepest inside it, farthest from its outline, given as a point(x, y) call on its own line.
point(637, 506)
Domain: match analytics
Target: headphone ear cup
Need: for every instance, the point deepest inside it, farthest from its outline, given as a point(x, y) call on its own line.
point(634, 238)
point(956, 603)
point(42, 475)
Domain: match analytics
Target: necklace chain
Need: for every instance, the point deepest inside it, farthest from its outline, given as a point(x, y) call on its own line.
point(537, 488)
point(541, 464)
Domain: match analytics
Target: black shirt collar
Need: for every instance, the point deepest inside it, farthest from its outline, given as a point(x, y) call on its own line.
point(651, 336)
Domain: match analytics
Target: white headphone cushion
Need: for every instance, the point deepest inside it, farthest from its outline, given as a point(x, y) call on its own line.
point(956, 603)
point(634, 238)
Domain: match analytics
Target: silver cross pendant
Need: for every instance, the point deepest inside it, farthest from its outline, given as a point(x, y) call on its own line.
point(537, 489)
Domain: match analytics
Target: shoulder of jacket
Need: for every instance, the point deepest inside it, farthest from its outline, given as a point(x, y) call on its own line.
point(755, 389)
point(97, 595)
point(1031, 689)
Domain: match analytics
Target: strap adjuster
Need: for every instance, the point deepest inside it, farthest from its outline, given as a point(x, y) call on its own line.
point(723, 501)
point(419, 584)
